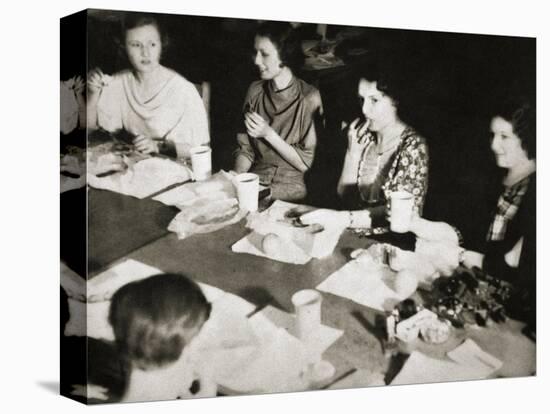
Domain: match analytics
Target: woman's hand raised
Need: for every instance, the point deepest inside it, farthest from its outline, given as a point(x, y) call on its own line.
point(256, 126)
point(96, 81)
point(358, 136)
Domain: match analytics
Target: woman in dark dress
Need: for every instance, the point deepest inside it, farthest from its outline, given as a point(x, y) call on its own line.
point(279, 138)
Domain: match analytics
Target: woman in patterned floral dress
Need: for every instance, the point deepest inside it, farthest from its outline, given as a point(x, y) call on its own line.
point(383, 155)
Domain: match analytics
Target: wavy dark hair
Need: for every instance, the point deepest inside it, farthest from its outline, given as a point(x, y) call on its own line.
point(398, 77)
point(286, 41)
point(389, 78)
point(150, 318)
point(521, 113)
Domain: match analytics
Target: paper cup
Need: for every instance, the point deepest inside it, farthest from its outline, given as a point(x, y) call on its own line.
point(307, 305)
point(248, 186)
point(201, 161)
point(401, 210)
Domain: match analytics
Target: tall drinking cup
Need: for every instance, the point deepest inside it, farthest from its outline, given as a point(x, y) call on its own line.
point(248, 187)
point(201, 161)
point(307, 305)
point(401, 210)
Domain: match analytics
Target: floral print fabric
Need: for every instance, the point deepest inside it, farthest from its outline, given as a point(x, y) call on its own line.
point(409, 169)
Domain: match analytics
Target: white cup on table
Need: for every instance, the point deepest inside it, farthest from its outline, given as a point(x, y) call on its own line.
point(307, 306)
point(248, 187)
point(401, 211)
point(201, 162)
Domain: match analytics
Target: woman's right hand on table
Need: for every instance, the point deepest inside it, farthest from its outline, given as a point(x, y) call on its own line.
point(106, 163)
point(326, 218)
point(145, 145)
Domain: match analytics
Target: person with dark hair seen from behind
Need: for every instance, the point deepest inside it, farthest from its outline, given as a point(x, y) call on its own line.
point(154, 103)
point(279, 137)
point(384, 154)
point(155, 321)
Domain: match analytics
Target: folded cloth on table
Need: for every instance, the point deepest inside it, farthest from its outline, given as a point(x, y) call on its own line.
point(144, 178)
point(283, 250)
point(219, 186)
point(205, 216)
point(288, 241)
point(366, 282)
point(104, 285)
point(420, 368)
point(320, 341)
point(227, 308)
point(273, 361)
point(206, 206)
point(470, 354)
point(506, 341)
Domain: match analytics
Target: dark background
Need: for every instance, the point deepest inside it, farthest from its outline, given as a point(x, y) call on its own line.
point(452, 81)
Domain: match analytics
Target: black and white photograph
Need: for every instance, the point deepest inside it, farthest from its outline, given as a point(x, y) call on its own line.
point(277, 206)
point(289, 206)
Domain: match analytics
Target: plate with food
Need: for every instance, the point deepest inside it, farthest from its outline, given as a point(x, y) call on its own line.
point(207, 217)
point(216, 212)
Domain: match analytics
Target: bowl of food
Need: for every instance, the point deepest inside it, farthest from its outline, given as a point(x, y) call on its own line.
point(436, 331)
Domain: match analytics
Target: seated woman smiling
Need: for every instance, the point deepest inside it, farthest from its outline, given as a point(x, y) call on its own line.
point(279, 138)
point(510, 248)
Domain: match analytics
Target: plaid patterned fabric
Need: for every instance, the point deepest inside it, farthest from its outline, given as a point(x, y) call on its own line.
point(507, 207)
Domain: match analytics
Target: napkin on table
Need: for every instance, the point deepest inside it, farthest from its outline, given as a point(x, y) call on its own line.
point(297, 245)
point(216, 187)
point(273, 362)
point(364, 282)
point(323, 339)
point(146, 177)
point(420, 368)
point(470, 354)
point(225, 306)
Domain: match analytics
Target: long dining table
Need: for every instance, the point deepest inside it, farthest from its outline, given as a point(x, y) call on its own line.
point(121, 227)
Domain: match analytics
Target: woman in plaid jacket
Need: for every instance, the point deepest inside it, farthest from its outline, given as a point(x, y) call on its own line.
point(510, 251)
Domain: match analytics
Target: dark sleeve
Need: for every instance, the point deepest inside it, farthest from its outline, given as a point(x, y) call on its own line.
point(523, 225)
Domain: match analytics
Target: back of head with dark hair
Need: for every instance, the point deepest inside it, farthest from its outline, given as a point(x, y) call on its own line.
point(286, 40)
point(151, 317)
